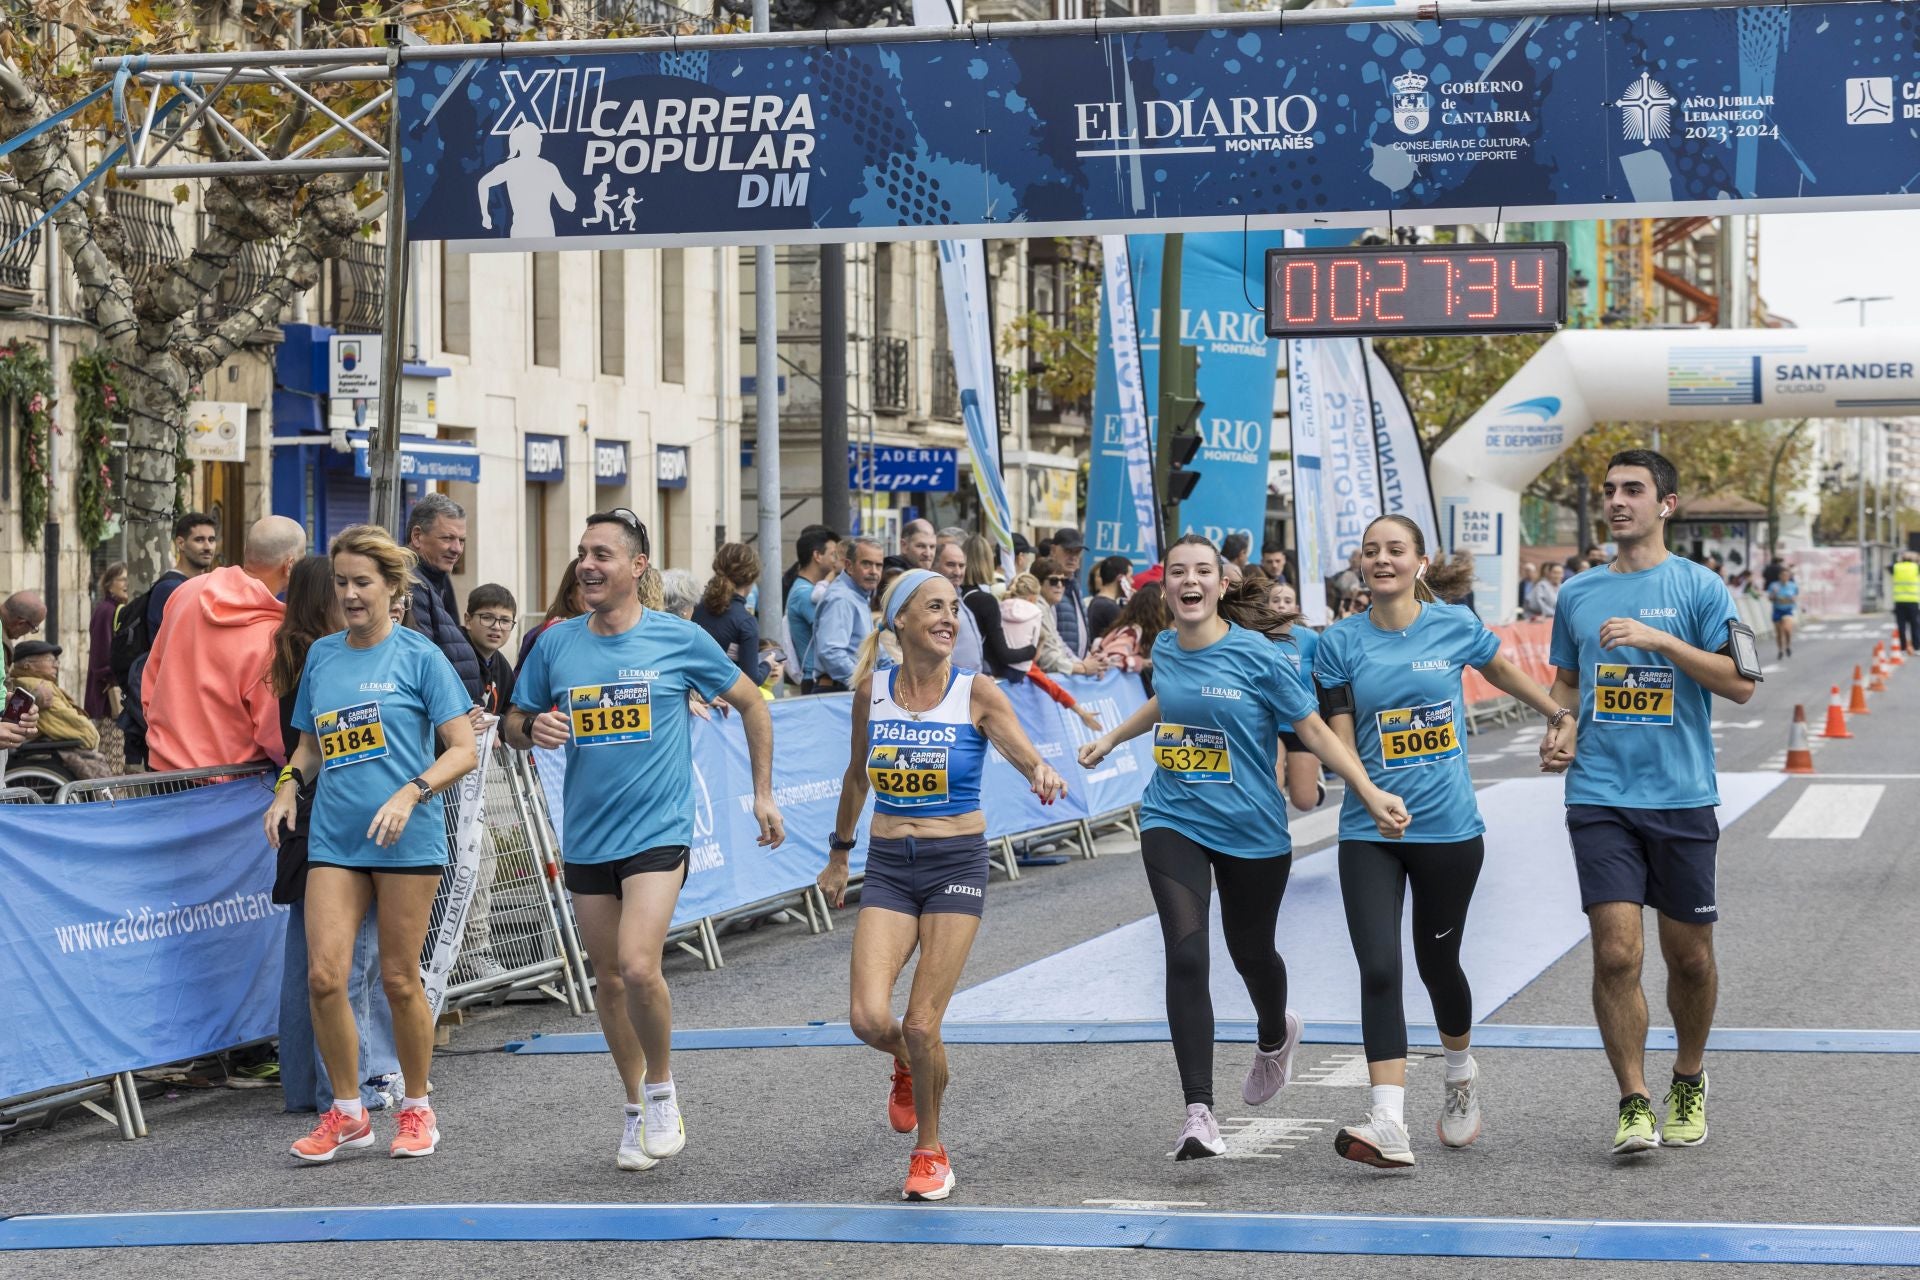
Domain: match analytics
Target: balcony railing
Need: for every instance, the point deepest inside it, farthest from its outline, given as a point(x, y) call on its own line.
point(146, 229)
point(891, 359)
point(358, 279)
point(251, 269)
point(946, 390)
point(16, 264)
point(656, 13)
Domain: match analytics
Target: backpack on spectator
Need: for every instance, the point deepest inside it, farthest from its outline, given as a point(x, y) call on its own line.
point(131, 637)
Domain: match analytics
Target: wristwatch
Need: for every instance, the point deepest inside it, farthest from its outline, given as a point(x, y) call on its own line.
point(426, 791)
point(837, 845)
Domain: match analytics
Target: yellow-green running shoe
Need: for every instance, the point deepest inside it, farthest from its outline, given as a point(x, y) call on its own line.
point(1686, 1124)
point(1636, 1127)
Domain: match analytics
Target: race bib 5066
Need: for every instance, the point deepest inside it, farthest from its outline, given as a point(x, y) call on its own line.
point(1625, 694)
point(1412, 736)
point(606, 713)
point(908, 777)
point(1192, 753)
point(350, 735)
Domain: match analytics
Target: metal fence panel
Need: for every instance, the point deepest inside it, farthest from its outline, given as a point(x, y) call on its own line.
point(132, 786)
point(18, 795)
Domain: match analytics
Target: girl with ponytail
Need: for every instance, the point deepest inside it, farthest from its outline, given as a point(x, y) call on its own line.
point(1390, 686)
point(1222, 693)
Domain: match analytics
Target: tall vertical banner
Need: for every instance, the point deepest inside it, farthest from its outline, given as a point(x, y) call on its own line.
point(1120, 496)
point(1238, 362)
point(1330, 404)
point(1309, 478)
point(1404, 487)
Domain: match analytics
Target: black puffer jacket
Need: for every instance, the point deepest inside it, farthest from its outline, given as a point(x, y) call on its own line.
point(433, 615)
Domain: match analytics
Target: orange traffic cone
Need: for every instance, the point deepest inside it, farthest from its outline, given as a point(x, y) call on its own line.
point(1878, 682)
point(1858, 705)
point(1836, 717)
point(1897, 655)
point(1799, 754)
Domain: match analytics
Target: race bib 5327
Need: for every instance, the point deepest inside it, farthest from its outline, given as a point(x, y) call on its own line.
point(1192, 753)
point(1624, 694)
point(350, 735)
point(607, 713)
point(908, 777)
point(1412, 736)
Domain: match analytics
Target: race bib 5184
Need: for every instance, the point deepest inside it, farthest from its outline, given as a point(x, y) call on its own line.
point(350, 735)
point(609, 713)
point(907, 776)
point(1624, 694)
point(1411, 736)
point(1192, 753)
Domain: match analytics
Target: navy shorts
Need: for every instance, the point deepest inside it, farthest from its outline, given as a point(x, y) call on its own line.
point(918, 877)
point(604, 878)
point(1659, 858)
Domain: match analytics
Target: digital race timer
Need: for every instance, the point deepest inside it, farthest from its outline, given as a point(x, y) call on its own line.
point(1412, 289)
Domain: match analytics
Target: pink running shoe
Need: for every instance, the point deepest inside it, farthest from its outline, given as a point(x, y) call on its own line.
point(336, 1130)
point(419, 1135)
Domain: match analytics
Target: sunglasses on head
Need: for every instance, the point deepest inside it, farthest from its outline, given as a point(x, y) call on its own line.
point(627, 517)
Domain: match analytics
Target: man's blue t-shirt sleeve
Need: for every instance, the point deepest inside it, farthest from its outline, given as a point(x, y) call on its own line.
point(530, 692)
point(1564, 651)
point(710, 672)
point(1713, 610)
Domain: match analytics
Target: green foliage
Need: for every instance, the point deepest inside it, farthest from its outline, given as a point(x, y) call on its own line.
point(96, 399)
point(1448, 379)
point(26, 392)
point(1062, 349)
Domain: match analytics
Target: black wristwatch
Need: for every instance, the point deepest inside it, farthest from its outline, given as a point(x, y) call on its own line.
point(426, 791)
point(837, 845)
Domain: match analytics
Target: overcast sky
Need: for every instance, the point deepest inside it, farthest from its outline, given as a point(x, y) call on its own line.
point(1809, 259)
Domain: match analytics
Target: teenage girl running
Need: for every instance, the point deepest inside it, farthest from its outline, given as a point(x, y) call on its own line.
point(1390, 688)
point(1222, 692)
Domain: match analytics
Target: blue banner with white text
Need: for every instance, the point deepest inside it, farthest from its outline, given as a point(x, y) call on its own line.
point(1567, 116)
point(135, 933)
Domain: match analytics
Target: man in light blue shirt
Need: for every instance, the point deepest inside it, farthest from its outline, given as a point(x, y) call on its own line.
point(843, 616)
point(1641, 648)
point(819, 554)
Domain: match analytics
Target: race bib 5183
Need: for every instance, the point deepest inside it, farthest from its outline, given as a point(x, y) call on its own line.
point(1411, 736)
point(1624, 694)
point(1192, 753)
point(608, 713)
point(907, 776)
point(350, 735)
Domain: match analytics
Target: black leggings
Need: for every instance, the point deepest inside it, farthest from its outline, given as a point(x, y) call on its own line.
point(1180, 873)
point(1373, 883)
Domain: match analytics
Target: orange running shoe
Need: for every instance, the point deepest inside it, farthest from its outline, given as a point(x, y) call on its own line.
point(418, 1136)
point(929, 1175)
point(336, 1130)
point(900, 1112)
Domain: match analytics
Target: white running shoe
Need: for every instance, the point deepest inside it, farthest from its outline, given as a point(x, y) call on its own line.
point(633, 1156)
point(1381, 1142)
point(1459, 1121)
point(1270, 1071)
point(663, 1133)
point(1201, 1136)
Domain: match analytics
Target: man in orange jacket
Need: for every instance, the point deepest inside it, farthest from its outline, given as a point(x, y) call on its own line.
point(205, 690)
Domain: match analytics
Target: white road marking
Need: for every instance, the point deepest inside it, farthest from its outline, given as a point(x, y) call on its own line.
point(1739, 724)
point(1146, 1206)
point(1825, 812)
point(1341, 1071)
point(1259, 1138)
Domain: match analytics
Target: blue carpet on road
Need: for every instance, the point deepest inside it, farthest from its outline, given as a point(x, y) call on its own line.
point(924, 1224)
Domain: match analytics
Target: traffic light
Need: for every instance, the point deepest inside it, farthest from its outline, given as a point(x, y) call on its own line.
point(1180, 406)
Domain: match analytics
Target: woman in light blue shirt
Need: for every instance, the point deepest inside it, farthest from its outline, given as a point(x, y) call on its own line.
point(1223, 692)
point(1390, 682)
point(383, 731)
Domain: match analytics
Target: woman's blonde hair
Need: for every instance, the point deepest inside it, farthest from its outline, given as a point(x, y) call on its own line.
point(869, 656)
point(394, 561)
point(979, 552)
point(1024, 587)
point(653, 590)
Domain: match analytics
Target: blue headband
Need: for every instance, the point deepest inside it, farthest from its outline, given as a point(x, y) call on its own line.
point(910, 581)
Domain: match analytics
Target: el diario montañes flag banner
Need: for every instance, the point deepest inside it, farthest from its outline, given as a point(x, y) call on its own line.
point(1570, 116)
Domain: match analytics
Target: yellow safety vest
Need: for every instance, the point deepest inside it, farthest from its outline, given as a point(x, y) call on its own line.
point(1906, 582)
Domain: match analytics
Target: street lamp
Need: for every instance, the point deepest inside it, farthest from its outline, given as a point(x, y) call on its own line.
point(1860, 462)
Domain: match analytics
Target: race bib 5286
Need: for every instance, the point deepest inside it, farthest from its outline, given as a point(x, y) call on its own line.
point(1412, 736)
point(608, 713)
point(1192, 753)
point(350, 735)
point(907, 776)
point(1624, 694)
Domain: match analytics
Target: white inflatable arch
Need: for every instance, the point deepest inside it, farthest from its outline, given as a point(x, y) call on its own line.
point(1584, 376)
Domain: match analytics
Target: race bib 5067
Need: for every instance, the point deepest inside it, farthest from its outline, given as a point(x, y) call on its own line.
point(1624, 694)
point(608, 713)
point(350, 735)
point(1412, 736)
point(907, 776)
point(1192, 753)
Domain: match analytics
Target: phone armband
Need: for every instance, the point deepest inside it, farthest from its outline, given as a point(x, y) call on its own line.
point(1743, 650)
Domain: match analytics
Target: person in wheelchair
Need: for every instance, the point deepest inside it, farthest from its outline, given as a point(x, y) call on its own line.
point(65, 730)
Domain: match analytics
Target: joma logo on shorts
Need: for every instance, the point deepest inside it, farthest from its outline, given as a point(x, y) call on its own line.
point(967, 889)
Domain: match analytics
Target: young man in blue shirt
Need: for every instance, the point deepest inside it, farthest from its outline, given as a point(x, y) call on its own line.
point(611, 688)
point(1642, 647)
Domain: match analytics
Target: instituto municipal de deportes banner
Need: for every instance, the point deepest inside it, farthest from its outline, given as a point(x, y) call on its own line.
point(1238, 364)
point(1572, 116)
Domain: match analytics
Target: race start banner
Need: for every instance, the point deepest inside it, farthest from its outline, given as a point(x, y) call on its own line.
point(723, 140)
